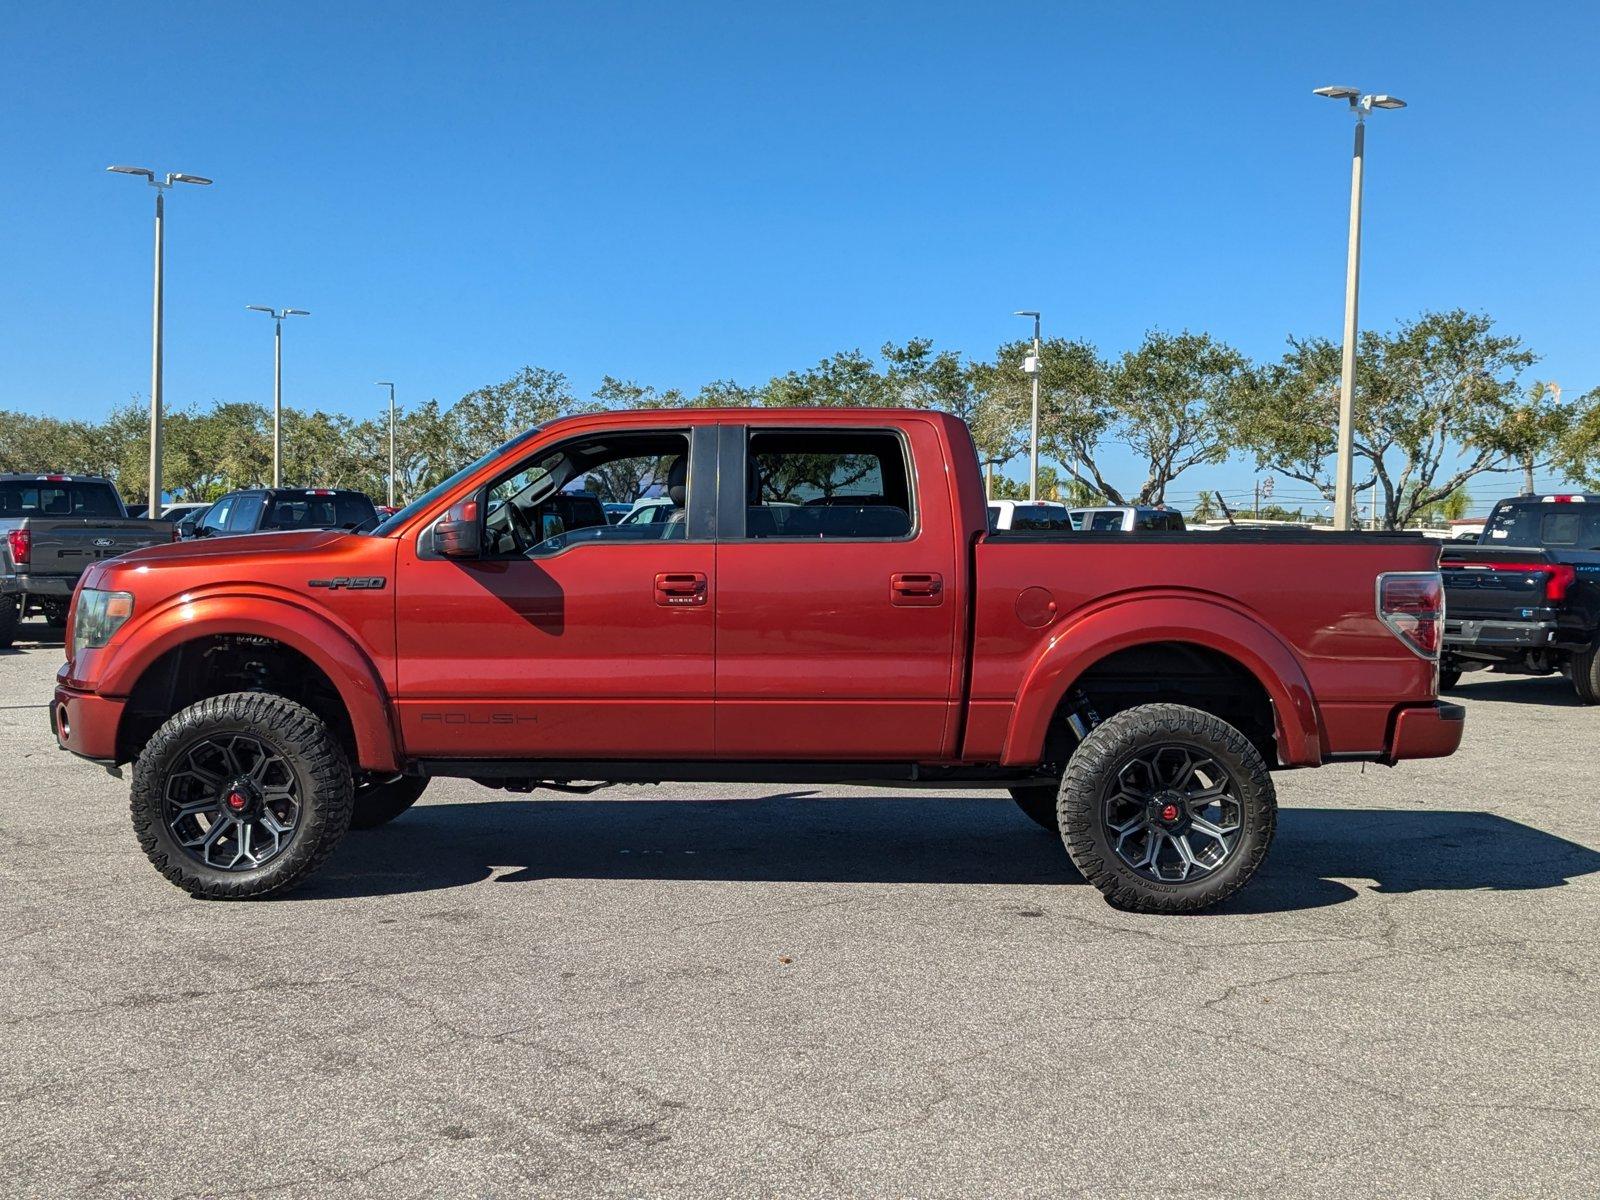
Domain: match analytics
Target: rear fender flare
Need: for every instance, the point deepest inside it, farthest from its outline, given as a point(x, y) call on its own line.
point(1201, 622)
point(320, 640)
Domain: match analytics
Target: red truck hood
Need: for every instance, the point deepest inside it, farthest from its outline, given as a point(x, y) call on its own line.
point(242, 546)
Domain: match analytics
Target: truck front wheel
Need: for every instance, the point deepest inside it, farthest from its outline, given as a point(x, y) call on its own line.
point(241, 795)
point(1585, 671)
point(1167, 809)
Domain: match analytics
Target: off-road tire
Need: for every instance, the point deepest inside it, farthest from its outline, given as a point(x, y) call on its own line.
point(1039, 803)
point(1448, 678)
point(1093, 770)
point(10, 618)
point(379, 803)
point(296, 734)
point(1585, 670)
point(55, 612)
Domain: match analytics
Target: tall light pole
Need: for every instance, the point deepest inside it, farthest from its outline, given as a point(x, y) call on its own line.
point(161, 186)
point(390, 386)
point(1361, 106)
point(1031, 366)
point(277, 315)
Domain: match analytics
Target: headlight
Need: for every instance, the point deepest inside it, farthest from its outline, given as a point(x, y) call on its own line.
point(97, 616)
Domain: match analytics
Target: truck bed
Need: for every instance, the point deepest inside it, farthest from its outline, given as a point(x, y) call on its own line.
point(1303, 603)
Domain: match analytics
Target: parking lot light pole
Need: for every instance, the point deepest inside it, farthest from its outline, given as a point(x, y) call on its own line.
point(277, 315)
point(1030, 365)
point(1343, 492)
point(161, 186)
point(390, 386)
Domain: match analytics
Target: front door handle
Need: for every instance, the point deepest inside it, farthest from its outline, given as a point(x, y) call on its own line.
point(916, 589)
point(680, 589)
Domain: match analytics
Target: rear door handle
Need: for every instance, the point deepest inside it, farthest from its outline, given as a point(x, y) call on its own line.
point(681, 589)
point(916, 589)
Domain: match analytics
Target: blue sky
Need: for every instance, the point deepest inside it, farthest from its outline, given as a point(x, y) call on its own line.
point(677, 193)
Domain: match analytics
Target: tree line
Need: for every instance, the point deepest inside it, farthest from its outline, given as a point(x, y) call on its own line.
point(1440, 399)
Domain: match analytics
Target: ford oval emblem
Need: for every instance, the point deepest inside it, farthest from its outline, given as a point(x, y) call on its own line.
point(102, 542)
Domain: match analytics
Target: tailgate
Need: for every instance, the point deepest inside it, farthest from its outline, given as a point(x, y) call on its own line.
point(66, 547)
point(1494, 583)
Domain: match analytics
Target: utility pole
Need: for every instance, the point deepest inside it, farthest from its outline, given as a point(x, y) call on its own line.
point(156, 321)
point(1360, 105)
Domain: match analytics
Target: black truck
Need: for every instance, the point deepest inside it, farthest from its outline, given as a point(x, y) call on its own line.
point(1526, 598)
point(51, 528)
point(262, 510)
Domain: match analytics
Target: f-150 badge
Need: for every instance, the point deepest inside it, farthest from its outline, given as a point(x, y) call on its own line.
point(355, 583)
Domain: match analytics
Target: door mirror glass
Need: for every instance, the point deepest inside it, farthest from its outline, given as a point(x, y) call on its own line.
point(458, 534)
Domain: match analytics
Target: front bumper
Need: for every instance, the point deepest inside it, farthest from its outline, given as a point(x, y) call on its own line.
point(86, 724)
point(1427, 731)
point(38, 585)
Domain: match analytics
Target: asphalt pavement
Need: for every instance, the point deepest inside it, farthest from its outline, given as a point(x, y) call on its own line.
point(759, 990)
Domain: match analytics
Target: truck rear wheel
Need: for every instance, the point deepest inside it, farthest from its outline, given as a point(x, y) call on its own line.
point(1448, 678)
point(10, 618)
point(1040, 805)
point(241, 795)
point(379, 803)
point(1167, 809)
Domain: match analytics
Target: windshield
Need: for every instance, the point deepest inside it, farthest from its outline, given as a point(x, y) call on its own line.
point(1556, 525)
point(439, 489)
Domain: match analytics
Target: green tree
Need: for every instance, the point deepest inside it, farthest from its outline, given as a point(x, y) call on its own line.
point(1437, 402)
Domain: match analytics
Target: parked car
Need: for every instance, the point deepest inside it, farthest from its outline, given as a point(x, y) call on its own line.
point(189, 521)
point(616, 510)
point(1526, 598)
point(1127, 518)
point(53, 526)
point(835, 610)
point(1027, 514)
point(255, 510)
point(175, 513)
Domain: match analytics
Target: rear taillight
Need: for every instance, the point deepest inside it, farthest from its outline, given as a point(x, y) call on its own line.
point(1562, 577)
point(1411, 604)
point(21, 546)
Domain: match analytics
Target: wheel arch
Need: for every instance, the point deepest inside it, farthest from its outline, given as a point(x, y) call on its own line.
point(1208, 627)
point(163, 638)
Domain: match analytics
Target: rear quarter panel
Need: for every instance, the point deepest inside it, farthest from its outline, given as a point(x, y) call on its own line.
point(1300, 615)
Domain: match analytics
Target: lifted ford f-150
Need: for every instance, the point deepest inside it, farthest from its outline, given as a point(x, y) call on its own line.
point(824, 603)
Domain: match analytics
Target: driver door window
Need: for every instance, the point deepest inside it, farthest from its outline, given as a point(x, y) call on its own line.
point(216, 518)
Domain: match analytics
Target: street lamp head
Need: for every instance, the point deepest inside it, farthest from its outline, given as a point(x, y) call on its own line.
point(144, 171)
point(1338, 93)
point(180, 178)
point(381, 383)
point(1387, 102)
point(258, 308)
point(1024, 312)
point(297, 312)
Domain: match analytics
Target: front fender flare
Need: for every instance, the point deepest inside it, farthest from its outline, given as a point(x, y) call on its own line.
point(1209, 623)
point(333, 650)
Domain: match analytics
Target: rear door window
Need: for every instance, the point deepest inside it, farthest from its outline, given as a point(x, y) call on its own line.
point(827, 485)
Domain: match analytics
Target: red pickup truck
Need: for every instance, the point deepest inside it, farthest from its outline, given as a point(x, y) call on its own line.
point(820, 601)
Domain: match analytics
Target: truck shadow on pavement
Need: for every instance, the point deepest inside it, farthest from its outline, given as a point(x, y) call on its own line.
point(35, 635)
point(798, 838)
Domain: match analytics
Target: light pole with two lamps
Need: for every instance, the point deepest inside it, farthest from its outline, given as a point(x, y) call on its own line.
point(277, 315)
point(1030, 365)
point(161, 186)
point(1361, 106)
point(390, 386)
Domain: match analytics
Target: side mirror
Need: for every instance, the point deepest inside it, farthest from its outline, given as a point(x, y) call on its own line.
point(459, 533)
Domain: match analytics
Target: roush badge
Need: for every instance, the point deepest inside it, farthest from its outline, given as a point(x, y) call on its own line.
point(354, 583)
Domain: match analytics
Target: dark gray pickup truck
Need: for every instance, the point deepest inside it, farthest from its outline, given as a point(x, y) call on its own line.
point(51, 528)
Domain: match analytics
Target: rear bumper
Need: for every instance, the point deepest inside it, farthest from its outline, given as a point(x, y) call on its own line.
point(86, 724)
point(38, 585)
point(1428, 731)
point(1515, 636)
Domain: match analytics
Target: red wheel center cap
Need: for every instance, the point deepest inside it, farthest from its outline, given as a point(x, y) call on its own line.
point(1168, 813)
point(237, 801)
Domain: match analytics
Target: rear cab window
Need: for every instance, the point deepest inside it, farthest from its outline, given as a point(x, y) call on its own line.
point(827, 485)
point(24, 498)
point(313, 510)
point(1554, 525)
